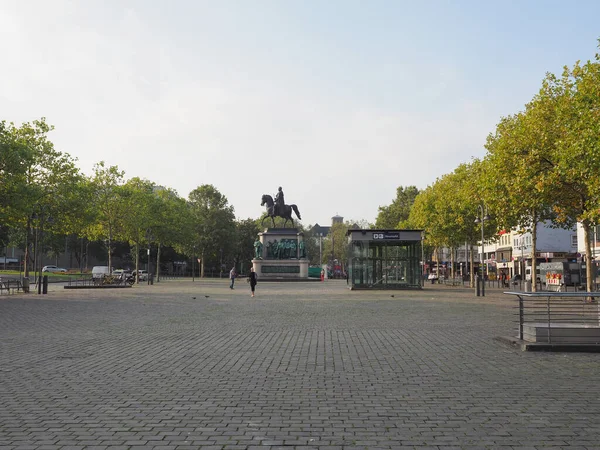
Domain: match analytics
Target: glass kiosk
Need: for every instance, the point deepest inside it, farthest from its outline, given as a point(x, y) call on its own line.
point(384, 259)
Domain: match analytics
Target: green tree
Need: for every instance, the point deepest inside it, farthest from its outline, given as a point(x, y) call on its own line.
point(520, 157)
point(573, 183)
point(335, 247)
point(246, 233)
point(107, 195)
point(15, 158)
point(311, 243)
point(171, 222)
point(40, 181)
point(393, 215)
point(139, 216)
point(213, 223)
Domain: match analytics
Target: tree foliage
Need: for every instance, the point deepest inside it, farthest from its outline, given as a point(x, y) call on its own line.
point(213, 223)
point(397, 213)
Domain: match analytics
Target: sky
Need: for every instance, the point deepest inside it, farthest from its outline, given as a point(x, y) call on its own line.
point(337, 102)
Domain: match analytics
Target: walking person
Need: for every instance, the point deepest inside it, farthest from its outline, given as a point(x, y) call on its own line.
point(232, 277)
point(253, 280)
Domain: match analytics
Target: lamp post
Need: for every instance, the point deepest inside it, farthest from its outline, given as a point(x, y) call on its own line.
point(522, 265)
point(41, 217)
point(149, 271)
point(482, 216)
point(320, 250)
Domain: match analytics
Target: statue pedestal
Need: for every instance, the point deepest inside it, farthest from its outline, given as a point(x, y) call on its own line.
point(283, 256)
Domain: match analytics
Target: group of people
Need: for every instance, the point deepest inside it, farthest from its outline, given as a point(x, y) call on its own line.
point(252, 279)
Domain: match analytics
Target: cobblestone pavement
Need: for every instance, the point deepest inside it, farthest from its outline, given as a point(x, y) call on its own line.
point(302, 365)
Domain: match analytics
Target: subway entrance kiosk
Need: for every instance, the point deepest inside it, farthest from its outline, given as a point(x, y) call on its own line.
point(384, 259)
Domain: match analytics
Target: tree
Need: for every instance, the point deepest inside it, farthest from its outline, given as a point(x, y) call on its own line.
point(398, 211)
point(336, 245)
point(15, 158)
point(172, 222)
point(213, 223)
point(573, 182)
point(246, 233)
point(311, 243)
point(40, 180)
point(520, 157)
point(139, 216)
point(446, 211)
point(107, 194)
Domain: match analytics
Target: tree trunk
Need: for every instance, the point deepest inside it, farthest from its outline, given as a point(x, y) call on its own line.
point(109, 252)
point(158, 263)
point(452, 250)
point(137, 263)
point(27, 255)
point(202, 265)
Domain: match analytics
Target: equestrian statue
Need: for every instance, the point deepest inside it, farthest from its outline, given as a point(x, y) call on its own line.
point(278, 208)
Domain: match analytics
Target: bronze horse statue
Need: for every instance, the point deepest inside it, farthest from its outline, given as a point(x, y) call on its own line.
point(285, 214)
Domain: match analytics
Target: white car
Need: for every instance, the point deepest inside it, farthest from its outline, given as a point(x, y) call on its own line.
point(54, 269)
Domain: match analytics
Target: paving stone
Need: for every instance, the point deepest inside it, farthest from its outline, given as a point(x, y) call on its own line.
point(303, 365)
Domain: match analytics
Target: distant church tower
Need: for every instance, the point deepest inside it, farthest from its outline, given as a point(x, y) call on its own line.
point(337, 219)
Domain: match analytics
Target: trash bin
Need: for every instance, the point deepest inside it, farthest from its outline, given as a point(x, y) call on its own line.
point(25, 284)
point(528, 286)
point(45, 284)
point(150, 278)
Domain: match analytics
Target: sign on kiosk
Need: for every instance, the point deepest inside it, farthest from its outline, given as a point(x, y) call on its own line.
point(386, 235)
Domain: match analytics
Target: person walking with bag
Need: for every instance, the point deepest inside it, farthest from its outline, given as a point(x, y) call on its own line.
point(253, 280)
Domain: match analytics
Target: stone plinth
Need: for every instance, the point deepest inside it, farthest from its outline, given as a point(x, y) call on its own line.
point(283, 256)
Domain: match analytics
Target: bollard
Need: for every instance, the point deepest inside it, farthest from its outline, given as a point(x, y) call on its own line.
point(45, 285)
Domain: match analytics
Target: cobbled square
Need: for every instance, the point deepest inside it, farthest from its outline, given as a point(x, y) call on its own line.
point(186, 365)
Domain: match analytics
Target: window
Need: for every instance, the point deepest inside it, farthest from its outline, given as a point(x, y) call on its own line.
point(574, 240)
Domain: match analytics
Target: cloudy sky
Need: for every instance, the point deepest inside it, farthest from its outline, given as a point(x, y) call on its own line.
point(338, 102)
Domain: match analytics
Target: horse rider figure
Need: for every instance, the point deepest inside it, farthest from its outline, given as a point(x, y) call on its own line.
point(279, 203)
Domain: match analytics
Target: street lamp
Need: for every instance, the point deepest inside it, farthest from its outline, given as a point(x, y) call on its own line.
point(320, 250)
point(41, 217)
point(522, 265)
point(150, 272)
point(482, 216)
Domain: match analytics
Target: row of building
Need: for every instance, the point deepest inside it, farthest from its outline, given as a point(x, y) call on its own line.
point(511, 253)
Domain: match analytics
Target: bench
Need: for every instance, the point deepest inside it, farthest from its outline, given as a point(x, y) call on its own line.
point(10, 286)
point(453, 282)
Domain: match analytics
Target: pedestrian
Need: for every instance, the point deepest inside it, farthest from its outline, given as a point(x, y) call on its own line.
point(232, 277)
point(322, 274)
point(253, 280)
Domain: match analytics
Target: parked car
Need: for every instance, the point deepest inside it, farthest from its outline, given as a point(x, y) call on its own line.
point(121, 271)
point(143, 275)
point(100, 271)
point(54, 269)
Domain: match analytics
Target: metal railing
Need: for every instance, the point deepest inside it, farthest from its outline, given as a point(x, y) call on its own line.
point(559, 317)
